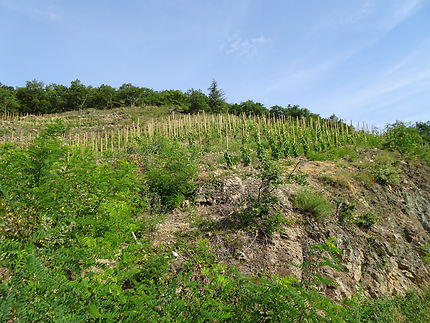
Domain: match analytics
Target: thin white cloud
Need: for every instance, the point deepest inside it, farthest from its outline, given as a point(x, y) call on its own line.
point(240, 47)
point(381, 94)
point(299, 77)
point(402, 13)
point(37, 11)
point(49, 12)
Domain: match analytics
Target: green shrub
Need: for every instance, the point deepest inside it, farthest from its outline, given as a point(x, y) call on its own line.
point(299, 177)
point(366, 220)
point(260, 212)
point(312, 202)
point(386, 170)
point(403, 137)
point(346, 212)
point(64, 215)
point(387, 175)
point(170, 170)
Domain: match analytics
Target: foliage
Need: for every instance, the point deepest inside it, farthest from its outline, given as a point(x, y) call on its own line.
point(245, 156)
point(402, 137)
point(366, 220)
point(385, 169)
point(228, 159)
point(247, 107)
point(424, 130)
point(170, 169)
point(63, 214)
point(299, 177)
point(312, 202)
point(8, 100)
point(345, 211)
point(32, 97)
point(260, 212)
point(216, 99)
point(425, 249)
point(387, 175)
point(198, 101)
point(74, 228)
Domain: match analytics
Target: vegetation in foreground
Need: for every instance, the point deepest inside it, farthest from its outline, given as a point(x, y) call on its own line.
point(78, 210)
point(75, 242)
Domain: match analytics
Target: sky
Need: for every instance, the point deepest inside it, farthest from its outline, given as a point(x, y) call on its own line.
point(366, 60)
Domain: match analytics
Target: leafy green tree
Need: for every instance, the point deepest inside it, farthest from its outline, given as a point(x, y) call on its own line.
point(78, 96)
point(57, 96)
point(198, 101)
point(248, 107)
point(216, 96)
point(103, 97)
point(8, 101)
point(424, 130)
point(129, 95)
point(174, 97)
point(277, 111)
point(295, 111)
point(32, 98)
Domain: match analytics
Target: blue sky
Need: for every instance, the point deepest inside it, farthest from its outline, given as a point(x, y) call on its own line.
point(362, 60)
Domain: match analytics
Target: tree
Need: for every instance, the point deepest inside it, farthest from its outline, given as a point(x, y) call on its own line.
point(248, 107)
point(8, 101)
point(32, 98)
point(216, 98)
point(198, 101)
point(78, 96)
point(129, 95)
point(174, 97)
point(57, 95)
point(103, 97)
point(295, 111)
point(424, 130)
point(277, 111)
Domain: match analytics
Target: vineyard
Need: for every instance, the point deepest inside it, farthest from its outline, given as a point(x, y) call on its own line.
point(283, 137)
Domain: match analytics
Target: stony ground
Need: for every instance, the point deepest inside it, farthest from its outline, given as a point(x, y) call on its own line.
point(385, 258)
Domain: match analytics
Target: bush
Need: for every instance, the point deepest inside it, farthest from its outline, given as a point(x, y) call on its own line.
point(402, 137)
point(387, 175)
point(261, 209)
point(312, 202)
point(386, 170)
point(67, 218)
point(170, 169)
point(366, 220)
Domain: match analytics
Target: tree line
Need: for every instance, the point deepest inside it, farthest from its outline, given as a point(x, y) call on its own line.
point(37, 98)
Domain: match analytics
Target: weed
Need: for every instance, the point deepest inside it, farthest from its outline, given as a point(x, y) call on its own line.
point(312, 202)
point(228, 159)
point(334, 181)
point(425, 249)
point(345, 212)
point(387, 175)
point(300, 178)
point(366, 220)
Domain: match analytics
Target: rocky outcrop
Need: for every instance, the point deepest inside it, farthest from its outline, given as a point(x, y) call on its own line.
point(383, 259)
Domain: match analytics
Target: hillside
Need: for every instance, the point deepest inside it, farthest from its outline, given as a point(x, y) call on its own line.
point(151, 214)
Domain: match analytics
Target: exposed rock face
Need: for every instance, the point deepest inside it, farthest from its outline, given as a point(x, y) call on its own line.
point(382, 259)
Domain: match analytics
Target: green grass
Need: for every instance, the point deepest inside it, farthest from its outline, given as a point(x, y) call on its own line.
point(314, 203)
